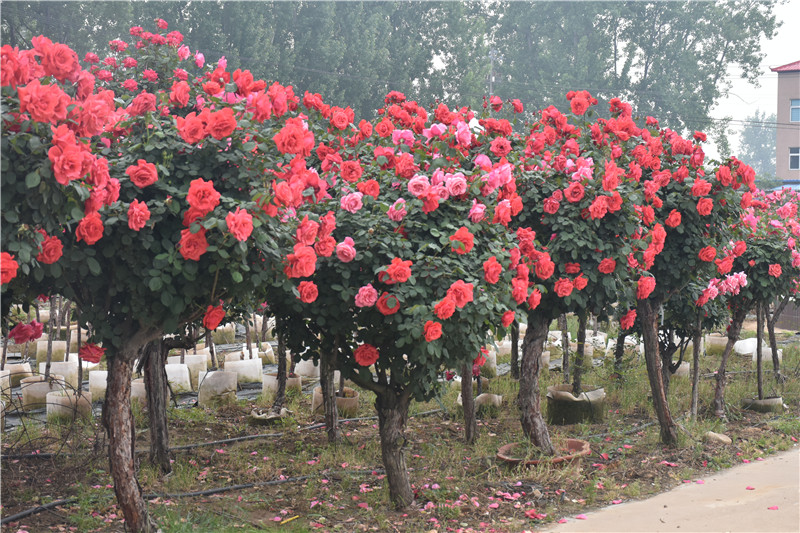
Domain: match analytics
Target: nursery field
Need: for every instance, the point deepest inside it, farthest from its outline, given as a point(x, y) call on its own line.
point(287, 477)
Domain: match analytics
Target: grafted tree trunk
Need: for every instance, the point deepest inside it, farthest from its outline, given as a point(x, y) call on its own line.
point(515, 349)
point(737, 319)
point(392, 407)
point(155, 381)
point(468, 402)
point(619, 350)
point(759, 348)
point(580, 356)
point(327, 364)
point(696, 339)
point(562, 325)
point(119, 423)
point(529, 399)
point(280, 394)
point(773, 343)
point(53, 312)
point(647, 312)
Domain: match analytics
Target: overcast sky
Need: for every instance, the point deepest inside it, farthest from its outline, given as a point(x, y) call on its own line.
point(744, 99)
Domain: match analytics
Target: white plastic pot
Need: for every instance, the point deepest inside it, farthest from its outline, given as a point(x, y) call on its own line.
point(57, 353)
point(270, 383)
point(67, 404)
point(98, 381)
point(347, 405)
point(217, 388)
point(249, 370)
point(307, 368)
point(17, 371)
point(68, 369)
point(178, 378)
point(35, 390)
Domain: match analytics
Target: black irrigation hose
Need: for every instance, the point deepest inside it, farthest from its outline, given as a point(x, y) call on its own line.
point(38, 509)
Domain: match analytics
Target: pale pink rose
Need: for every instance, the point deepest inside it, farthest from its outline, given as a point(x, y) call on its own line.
point(456, 184)
point(398, 210)
point(418, 185)
point(222, 63)
point(477, 212)
point(438, 177)
point(483, 162)
point(403, 137)
point(199, 59)
point(463, 134)
point(346, 250)
point(366, 296)
point(184, 52)
point(352, 202)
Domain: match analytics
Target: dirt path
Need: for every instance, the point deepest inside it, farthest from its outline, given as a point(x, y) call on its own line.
point(722, 502)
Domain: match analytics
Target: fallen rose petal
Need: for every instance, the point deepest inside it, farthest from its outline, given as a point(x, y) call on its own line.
point(581, 517)
point(700, 482)
point(749, 488)
point(773, 508)
point(616, 502)
point(494, 505)
point(562, 521)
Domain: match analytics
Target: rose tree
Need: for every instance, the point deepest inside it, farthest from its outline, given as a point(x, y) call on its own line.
point(143, 214)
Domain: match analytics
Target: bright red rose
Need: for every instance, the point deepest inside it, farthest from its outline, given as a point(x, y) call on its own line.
point(607, 265)
point(142, 174)
point(517, 105)
point(366, 355)
point(193, 245)
point(202, 195)
point(707, 254)
point(325, 246)
point(580, 282)
point(91, 353)
point(701, 187)
point(627, 321)
point(50, 250)
point(302, 262)
point(192, 129)
point(544, 268)
point(645, 286)
point(221, 123)
point(492, 270)
point(90, 228)
point(775, 270)
point(308, 291)
point(534, 299)
point(22, 333)
point(572, 268)
point(563, 287)
point(574, 193)
point(704, 206)
point(45, 103)
point(432, 330)
point(307, 231)
point(240, 224)
point(213, 317)
point(461, 293)
point(143, 102)
point(462, 240)
point(725, 264)
point(399, 270)
point(674, 219)
point(369, 188)
point(351, 171)
point(508, 318)
point(388, 304)
point(519, 290)
point(179, 95)
point(384, 128)
point(500, 146)
point(192, 215)
point(445, 308)
point(70, 162)
point(365, 128)
point(599, 207)
point(8, 268)
point(293, 139)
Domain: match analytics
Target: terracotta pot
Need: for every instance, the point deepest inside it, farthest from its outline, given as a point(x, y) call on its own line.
point(564, 408)
point(347, 405)
point(575, 449)
point(767, 405)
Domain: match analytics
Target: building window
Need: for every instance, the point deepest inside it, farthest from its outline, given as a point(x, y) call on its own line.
point(794, 158)
point(794, 110)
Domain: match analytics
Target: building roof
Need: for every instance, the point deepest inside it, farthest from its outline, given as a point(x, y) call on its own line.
point(791, 67)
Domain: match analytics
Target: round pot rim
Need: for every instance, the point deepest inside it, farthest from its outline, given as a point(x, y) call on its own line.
point(579, 447)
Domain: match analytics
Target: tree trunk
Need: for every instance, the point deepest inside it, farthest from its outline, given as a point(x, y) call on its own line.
point(49, 337)
point(649, 321)
point(562, 325)
point(248, 339)
point(529, 399)
point(619, 351)
point(68, 313)
point(468, 402)
point(280, 394)
point(696, 339)
point(515, 350)
point(118, 421)
point(327, 364)
point(580, 356)
point(211, 350)
point(392, 407)
point(773, 343)
point(760, 348)
point(155, 381)
point(739, 314)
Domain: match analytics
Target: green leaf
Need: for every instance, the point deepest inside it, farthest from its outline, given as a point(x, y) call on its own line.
point(94, 266)
point(33, 179)
point(155, 284)
point(236, 277)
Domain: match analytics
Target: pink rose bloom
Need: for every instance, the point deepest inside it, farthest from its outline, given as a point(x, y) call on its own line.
point(436, 130)
point(346, 250)
point(477, 212)
point(184, 52)
point(352, 202)
point(366, 296)
point(418, 185)
point(222, 63)
point(199, 59)
point(398, 210)
point(463, 134)
point(483, 161)
point(403, 137)
point(456, 184)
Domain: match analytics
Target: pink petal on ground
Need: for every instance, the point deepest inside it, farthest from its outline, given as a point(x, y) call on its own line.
point(773, 508)
point(749, 488)
point(700, 482)
point(562, 521)
point(581, 517)
point(616, 502)
point(745, 460)
point(627, 446)
point(494, 505)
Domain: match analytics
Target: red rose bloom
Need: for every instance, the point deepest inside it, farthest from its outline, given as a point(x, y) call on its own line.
point(534, 299)
point(308, 291)
point(192, 129)
point(325, 246)
point(213, 317)
point(202, 195)
point(179, 95)
point(461, 293)
point(8, 268)
point(462, 240)
point(707, 254)
point(369, 188)
point(500, 146)
point(580, 282)
point(432, 330)
point(240, 224)
point(90, 228)
point(563, 287)
point(302, 262)
point(143, 102)
point(607, 265)
point(138, 215)
point(704, 206)
point(775, 270)
point(674, 219)
point(351, 171)
point(399, 270)
point(574, 193)
point(645, 286)
point(142, 174)
point(366, 355)
point(627, 321)
point(544, 268)
point(221, 123)
point(50, 250)
point(492, 270)
point(193, 245)
point(508, 318)
point(445, 308)
point(91, 352)
point(384, 128)
point(388, 304)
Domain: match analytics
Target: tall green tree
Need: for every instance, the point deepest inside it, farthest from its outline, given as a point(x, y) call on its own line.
point(757, 144)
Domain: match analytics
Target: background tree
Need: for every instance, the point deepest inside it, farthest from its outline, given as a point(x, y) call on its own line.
point(757, 147)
